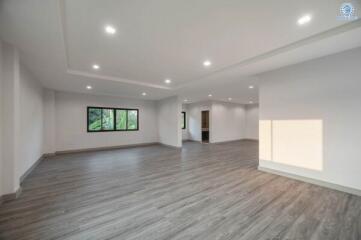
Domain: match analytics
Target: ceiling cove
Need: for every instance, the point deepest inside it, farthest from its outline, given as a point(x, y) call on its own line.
point(238, 65)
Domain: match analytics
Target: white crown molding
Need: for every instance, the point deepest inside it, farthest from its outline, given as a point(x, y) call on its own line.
point(115, 79)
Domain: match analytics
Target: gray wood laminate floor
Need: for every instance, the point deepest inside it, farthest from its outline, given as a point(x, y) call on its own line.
point(210, 191)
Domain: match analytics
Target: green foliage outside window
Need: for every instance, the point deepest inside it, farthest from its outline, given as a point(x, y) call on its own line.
point(108, 120)
point(132, 119)
point(112, 119)
point(94, 119)
point(121, 119)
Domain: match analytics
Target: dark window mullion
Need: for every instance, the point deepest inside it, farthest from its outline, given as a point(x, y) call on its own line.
point(114, 119)
point(185, 120)
point(126, 119)
point(101, 120)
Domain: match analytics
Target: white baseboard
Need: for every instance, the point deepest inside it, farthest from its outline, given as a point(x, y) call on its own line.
point(170, 146)
point(313, 181)
point(22, 177)
point(251, 139)
point(236, 140)
point(104, 148)
point(11, 196)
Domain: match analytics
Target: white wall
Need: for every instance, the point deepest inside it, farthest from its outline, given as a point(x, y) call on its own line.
point(228, 122)
point(49, 121)
point(185, 135)
point(21, 119)
point(71, 122)
point(10, 118)
point(1, 121)
point(319, 102)
point(252, 121)
point(169, 121)
point(195, 118)
point(31, 121)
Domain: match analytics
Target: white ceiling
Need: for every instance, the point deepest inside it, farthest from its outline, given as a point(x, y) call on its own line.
point(59, 40)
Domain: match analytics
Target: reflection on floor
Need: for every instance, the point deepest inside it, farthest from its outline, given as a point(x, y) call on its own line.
point(204, 191)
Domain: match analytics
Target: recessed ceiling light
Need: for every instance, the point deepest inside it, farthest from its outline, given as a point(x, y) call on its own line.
point(110, 29)
point(96, 67)
point(210, 95)
point(144, 94)
point(304, 19)
point(207, 63)
point(251, 87)
point(229, 99)
point(250, 102)
point(89, 87)
point(167, 81)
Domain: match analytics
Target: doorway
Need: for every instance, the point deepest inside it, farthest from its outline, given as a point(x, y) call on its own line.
point(205, 126)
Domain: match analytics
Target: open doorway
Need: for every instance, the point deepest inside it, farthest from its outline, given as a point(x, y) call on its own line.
point(205, 126)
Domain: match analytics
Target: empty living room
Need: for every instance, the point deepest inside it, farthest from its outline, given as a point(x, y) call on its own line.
point(180, 120)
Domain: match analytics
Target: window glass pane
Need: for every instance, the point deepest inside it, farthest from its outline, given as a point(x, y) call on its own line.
point(94, 119)
point(121, 117)
point(132, 119)
point(108, 119)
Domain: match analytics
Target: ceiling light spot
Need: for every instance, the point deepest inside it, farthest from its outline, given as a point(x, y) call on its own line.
point(250, 102)
point(144, 94)
point(168, 81)
point(304, 19)
point(96, 67)
point(89, 87)
point(186, 100)
point(207, 63)
point(110, 29)
point(229, 99)
point(251, 87)
point(210, 95)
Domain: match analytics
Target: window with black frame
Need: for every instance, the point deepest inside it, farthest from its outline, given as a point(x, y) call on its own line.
point(101, 119)
point(183, 121)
